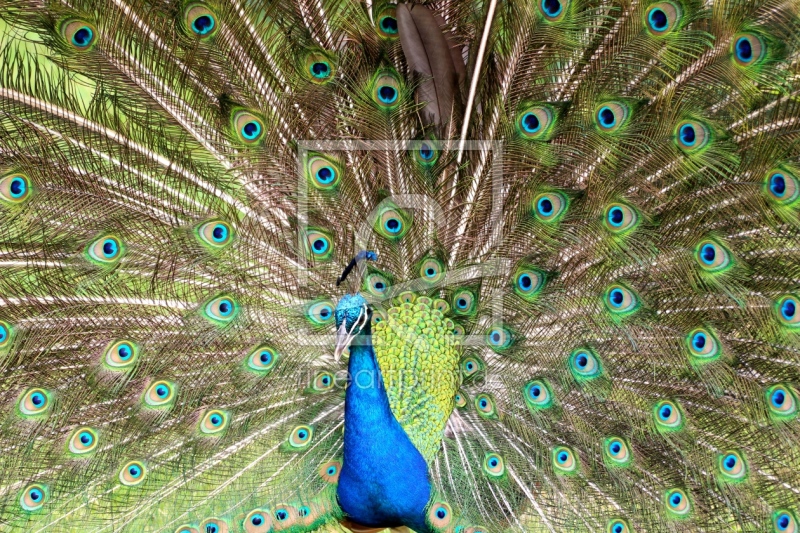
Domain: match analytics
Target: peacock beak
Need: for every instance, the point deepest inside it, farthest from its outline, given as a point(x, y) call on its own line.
point(345, 337)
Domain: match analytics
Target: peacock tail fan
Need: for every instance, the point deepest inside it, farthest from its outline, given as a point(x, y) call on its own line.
point(584, 289)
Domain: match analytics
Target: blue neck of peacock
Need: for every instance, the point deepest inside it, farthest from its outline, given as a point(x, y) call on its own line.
point(384, 479)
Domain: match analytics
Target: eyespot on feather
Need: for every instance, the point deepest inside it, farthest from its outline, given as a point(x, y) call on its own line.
point(200, 20)
point(132, 473)
point(78, 34)
point(214, 423)
point(34, 496)
point(15, 188)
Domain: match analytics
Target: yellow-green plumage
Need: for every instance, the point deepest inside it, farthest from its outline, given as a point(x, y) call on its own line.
point(418, 356)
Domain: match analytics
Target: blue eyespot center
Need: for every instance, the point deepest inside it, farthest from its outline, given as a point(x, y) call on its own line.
point(281, 515)
point(251, 130)
point(325, 175)
point(35, 495)
point(110, 248)
point(536, 391)
point(387, 94)
point(389, 25)
point(778, 397)
point(788, 309)
point(495, 337)
point(484, 404)
point(783, 521)
point(331, 470)
point(616, 297)
point(562, 457)
point(616, 216)
point(777, 184)
point(675, 500)
point(552, 8)
point(320, 69)
point(615, 448)
point(658, 19)
point(730, 462)
point(688, 135)
point(203, 24)
point(618, 528)
point(134, 471)
point(219, 233)
point(162, 391)
point(441, 513)
point(225, 307)
point(393, 225)
point(17, 187)
point(708, 253)
point(216, 420)
point(582, 360)
point(124, 352)
point(531, 123)
point(82, 37)
point(525, 281)
point(545, 206)
point(265, 357)
point(665, 412)
point(470, 365)
point(302, 434)
point(699, 341)
point(462, 303)
point(211, 528)
point(85, 438)
point(426, 152)
point(256, 520)
point(744, 49)
point(607, 118)
point(430, 272)
point(37, 399)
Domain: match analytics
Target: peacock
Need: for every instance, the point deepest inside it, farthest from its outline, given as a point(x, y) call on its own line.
point(449, 266)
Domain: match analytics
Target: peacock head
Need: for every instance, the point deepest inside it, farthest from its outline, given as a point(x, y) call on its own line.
point(353, 315)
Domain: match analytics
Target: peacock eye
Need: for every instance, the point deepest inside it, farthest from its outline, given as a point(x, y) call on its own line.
point(748, 49)
point(132, 473)
point(584, 364)
point(214, 525)
point(320, 245)
point(300, 438)
point(618, 525)
point(528, 283)
point(216, 234)
point(6, 334)
point(782, 187)
point(34, 496)
point(377, 284)
point(322, 382)
point(550, 207)
point(392, 223)
point(663, 17)
point(464, 302)
point(431, 270)
point(79, 35)
point(440, 515)
point(535, 122)
point(386, 91)
point(713, 257)
point(320, 313)
point(15, 188)
point(34, 403)
point(564, 460)
point(537, 394)
point(485, 405)
point(82, 441)
point(784, 521)
point(703, 345)
point(387, 23)
point(200, 20)
point(692, 136)
point(319, 67)
point(214, 422)
point(617, 452)
point(677, 502)
point(732, 466)
point(471, 366)
point(121, 355)
point(426, 152)
point(330, 471)
point(611, 116)
point(553, 10)
point(160, 395)
point(323, 173)
point(668, 416)
point(781, 402)
point(262, 359)
point(787, 310)
point(248, 127)
point(499, 338)
point(105, 251)
point(221, 310)
point(620, 300)
point(620, 218)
